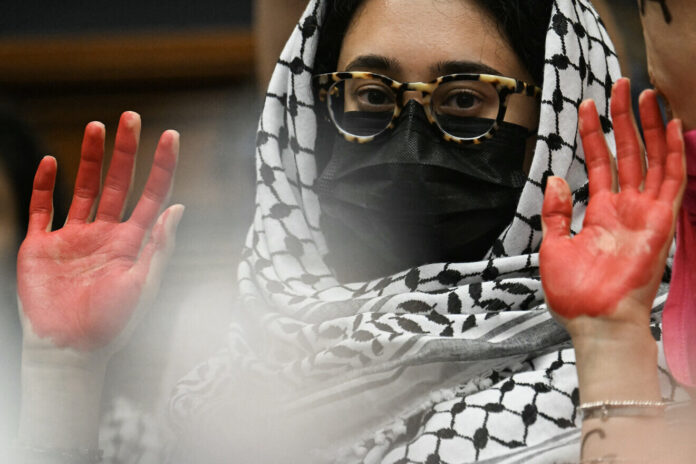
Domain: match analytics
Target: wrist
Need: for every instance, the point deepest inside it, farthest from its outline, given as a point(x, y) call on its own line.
point(61, 397)
point(617, 365)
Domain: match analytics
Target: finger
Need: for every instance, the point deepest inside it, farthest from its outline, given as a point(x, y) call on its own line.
point(674, 180)
point(159, 182)
point(557, 210)
point(120, 175)
point(41, 204)
point(600, 172)
point(151, 263)
point(88, 174)
point(629, 148)
point(159, 247)
point(654, 133)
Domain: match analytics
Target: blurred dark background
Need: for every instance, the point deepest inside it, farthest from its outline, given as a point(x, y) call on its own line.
point(188, 66)
point(45, 18)
point(198, 67)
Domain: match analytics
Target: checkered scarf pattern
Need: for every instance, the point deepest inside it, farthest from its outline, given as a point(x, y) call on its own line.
point(446, 362)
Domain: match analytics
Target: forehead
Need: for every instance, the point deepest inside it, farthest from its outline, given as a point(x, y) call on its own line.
point(417, 35)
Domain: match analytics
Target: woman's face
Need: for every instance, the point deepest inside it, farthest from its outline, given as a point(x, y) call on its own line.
point(420, 40)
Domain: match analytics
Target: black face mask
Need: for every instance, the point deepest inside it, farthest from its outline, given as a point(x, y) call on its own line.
point(415, 198)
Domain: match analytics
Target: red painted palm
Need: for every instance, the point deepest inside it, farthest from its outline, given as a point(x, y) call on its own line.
point(79, 286)
point(613, 266)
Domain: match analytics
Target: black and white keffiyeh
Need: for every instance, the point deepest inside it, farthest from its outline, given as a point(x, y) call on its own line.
point(451, 363)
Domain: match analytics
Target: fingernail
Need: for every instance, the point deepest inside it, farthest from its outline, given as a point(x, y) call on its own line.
point(130, 118)
point(178, 214)
point(549, 183)
point(588, 105)
point(680, 126)
point(553, 180)
point(645, 94)
point(175, 137)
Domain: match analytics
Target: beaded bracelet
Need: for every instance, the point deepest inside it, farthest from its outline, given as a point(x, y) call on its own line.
point(72, 456)
point(606, 409)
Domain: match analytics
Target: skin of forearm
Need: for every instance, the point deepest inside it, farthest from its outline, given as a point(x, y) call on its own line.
point(618, 366)
point(60, 401)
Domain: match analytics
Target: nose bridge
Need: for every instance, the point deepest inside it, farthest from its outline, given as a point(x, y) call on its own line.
point(419, 92)
point(409, 95)
point(413, 133)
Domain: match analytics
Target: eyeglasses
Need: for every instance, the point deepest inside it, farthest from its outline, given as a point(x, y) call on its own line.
point(467, 108)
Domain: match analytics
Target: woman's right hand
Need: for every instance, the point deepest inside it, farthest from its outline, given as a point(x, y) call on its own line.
point(81, 287)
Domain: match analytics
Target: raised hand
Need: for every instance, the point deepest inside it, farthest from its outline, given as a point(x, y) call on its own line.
point(80, 286)
point(611, 269)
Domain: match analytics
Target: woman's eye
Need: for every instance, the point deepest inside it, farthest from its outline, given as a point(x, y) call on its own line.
point(462, 100)
point(374, 97)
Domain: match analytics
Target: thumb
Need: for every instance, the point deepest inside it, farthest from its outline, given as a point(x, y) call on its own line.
point(155, 255)
point(149, 267)
point(557, 210)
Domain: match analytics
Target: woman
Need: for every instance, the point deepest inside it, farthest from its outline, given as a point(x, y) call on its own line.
point(416, 361)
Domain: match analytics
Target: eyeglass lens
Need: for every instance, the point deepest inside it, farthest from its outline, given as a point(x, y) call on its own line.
point(462, 108)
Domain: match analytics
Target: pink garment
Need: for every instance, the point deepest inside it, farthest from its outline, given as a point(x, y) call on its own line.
point(679, 316)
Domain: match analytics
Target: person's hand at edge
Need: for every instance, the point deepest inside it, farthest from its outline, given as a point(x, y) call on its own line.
point(601, 283)
point(83, 288)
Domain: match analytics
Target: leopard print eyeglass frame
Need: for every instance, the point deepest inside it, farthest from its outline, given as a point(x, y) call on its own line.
point(373, 94)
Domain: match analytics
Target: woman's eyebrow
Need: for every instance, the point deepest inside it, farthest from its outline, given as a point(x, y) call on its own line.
point(374, 63)
point(465, 67)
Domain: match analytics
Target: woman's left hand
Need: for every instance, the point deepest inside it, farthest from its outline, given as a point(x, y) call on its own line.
point(611, 269)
